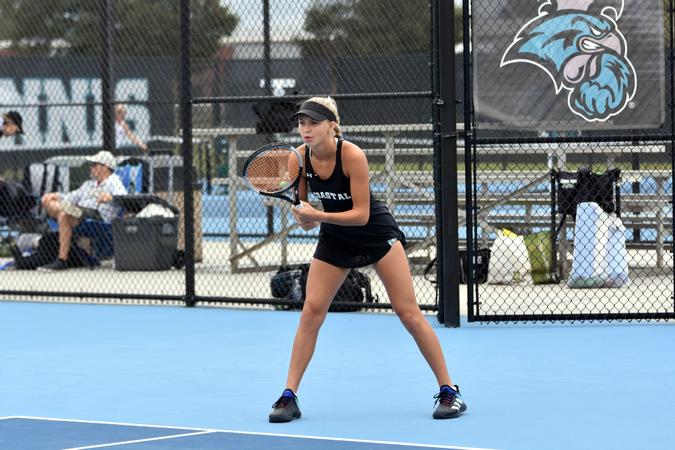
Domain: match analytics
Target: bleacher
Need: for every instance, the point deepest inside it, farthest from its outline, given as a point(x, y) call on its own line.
point(526, 190)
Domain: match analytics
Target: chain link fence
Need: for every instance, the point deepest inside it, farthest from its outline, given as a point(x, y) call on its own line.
point(286, 51)
point(85, 76)
point(571, 160)
point(105, 74)
point(568, 147)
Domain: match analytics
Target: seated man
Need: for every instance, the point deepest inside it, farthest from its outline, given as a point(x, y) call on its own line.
point(92, 199)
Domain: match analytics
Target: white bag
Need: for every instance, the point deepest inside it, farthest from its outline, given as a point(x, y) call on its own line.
point(509, 260)
point(600, 258)
point(155, 210)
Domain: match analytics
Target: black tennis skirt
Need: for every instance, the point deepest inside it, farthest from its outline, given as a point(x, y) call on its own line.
point(348, 254)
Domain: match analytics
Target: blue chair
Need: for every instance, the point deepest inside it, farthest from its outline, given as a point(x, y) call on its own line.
point(134, 173)
point(99, 234)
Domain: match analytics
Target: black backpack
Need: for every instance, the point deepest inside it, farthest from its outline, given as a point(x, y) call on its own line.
point(47, 251)
point(289, 283)
point(582, 186)
point(586, 186)
point(15, 200)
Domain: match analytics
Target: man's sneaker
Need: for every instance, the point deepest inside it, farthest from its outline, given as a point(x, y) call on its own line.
point(450, 403)
point(56, 265)
point(14, 250)
point(286, 408)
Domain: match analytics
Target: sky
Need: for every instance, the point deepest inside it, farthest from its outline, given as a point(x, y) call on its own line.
point(250, 14)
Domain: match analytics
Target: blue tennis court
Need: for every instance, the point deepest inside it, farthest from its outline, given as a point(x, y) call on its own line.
point(43, 433)
point(160, 377)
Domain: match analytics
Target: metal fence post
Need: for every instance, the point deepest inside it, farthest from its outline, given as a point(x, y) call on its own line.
point(447, 227)
point(107, 76)
point(186, 125)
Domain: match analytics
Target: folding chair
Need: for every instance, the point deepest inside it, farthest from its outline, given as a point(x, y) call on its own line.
point(135, 175)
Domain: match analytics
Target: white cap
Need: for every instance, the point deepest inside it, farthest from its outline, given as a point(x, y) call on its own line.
point(105, 158)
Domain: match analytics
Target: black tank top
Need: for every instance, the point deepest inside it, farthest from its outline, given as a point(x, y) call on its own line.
point(335, 195)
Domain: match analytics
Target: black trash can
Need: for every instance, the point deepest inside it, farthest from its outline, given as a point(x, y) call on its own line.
point(144, 243)
point(480, 267)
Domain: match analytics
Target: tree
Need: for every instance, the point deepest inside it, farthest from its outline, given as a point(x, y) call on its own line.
point(6, 19)
point(141, 28)
point(370, 27)
point(326, 24)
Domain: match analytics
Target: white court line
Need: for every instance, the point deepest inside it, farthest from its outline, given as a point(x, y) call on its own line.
point(52, 419)
point(253, 433)
point(137, 441)
point(361, 441)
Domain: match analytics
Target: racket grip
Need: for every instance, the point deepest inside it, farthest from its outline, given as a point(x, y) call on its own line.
point(299, 206)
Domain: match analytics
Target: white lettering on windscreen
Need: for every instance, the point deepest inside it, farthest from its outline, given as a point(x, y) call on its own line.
point(66, 113)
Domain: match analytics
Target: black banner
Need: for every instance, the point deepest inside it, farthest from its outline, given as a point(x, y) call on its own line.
point(569, 64)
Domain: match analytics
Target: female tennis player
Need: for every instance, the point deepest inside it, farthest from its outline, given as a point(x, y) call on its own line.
point(356, 230)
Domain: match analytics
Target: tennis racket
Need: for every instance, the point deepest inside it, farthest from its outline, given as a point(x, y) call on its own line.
point(275, 171)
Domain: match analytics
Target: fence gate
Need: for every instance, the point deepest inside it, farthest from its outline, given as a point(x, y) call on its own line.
point(569, 160)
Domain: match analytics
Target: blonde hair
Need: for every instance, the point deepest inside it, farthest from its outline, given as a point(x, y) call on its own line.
point(120, 109)
point(329, 103)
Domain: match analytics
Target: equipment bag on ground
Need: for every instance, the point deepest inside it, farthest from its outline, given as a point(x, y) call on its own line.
point(289, 283)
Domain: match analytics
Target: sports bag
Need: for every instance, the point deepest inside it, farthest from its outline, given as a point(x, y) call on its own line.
point(586, 186)
point(289, 283)
point(47, 250)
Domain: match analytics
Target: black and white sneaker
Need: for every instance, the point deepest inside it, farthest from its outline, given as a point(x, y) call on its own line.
point(286, 408)
point(55, 266)
point(450, 403)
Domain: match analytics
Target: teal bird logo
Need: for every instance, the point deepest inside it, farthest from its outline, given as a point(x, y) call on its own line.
point(579, 45)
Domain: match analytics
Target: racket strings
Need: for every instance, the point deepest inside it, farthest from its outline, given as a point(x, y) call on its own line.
point(273, 171)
